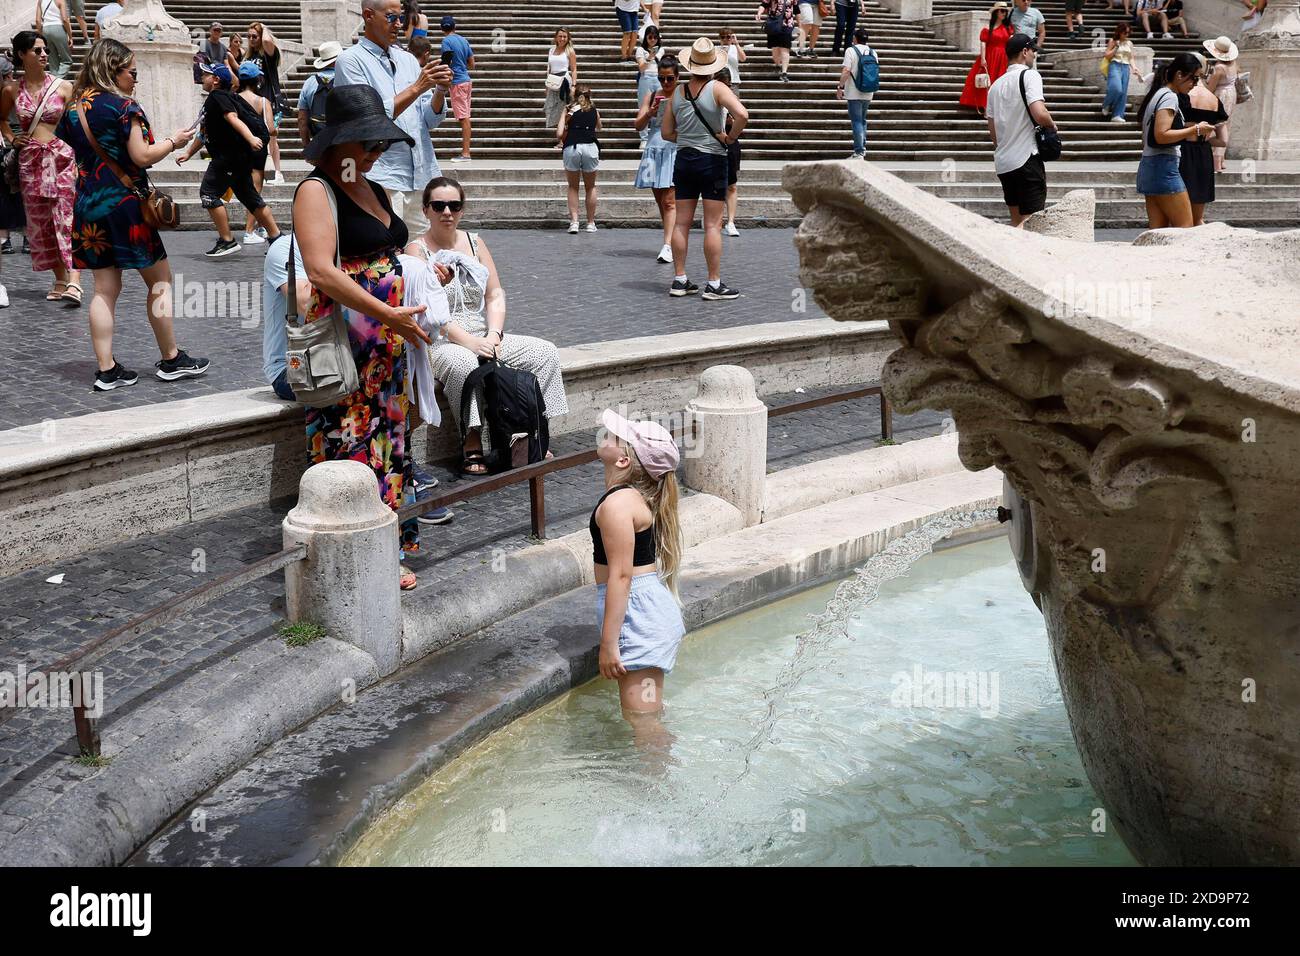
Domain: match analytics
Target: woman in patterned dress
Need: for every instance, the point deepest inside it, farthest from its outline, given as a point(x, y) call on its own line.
point(368, 425)
point(46, 168)
point(469, 278)
point(109, 233)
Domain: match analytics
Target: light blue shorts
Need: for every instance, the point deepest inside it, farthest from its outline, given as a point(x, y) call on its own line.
point(582, 158)
point(652, 627)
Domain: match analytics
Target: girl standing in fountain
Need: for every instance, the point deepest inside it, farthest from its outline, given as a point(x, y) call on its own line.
point(636, 548)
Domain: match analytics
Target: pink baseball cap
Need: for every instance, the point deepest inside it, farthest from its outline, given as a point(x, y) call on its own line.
point(653, 444)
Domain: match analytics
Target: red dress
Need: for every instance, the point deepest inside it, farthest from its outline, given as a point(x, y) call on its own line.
point(997, 64)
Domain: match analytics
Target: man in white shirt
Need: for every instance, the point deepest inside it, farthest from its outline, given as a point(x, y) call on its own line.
point(106, 14)
point(1011, 126)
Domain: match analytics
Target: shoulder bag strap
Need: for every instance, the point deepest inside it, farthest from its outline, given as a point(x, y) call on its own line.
point(40, 105)
point(472, 381)
point(127, 181)
point(686, 92)
point(1025, 96)
point(291, 314)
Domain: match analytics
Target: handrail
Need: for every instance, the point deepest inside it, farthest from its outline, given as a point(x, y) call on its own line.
point(534, 473)
point(86, 656)
point(77, 662)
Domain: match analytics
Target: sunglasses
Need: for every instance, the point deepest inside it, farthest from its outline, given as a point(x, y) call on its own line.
point(438, 205)
point(393, 17)
point(376, 145)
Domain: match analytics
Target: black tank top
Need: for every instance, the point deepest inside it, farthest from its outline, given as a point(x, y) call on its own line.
point(360, 233)
point(581, 128)
point(643, 547)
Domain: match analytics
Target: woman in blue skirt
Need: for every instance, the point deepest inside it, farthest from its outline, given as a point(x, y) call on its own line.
point(656, 170)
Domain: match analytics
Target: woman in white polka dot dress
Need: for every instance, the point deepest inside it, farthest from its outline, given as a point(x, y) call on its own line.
point(478, 317)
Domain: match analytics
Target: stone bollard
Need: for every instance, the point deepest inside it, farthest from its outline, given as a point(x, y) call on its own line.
point(348, 583)
point(728, 455)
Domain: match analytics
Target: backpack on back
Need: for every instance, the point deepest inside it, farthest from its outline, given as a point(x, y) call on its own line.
point(512, 413)
point(867, 76)
point(316, 108)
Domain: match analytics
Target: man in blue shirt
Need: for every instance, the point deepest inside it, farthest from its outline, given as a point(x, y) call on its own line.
point(275, 304)
point(409, 98)
point(322, 81)
point(457, 50)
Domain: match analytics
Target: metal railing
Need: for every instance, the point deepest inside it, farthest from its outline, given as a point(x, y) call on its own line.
point(535, 474)
point(77, 664)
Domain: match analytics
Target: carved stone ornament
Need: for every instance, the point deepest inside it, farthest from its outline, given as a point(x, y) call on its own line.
point(147, 21)
point(1143, 403)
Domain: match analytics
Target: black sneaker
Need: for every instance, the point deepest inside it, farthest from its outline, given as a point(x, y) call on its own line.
point(224, 247)
point(27, 249)
point(6, 248)
point(721, 292)
point(785, 77)
point(116, 377)
point(686, 287)
point(811, 53)
point(181, 366)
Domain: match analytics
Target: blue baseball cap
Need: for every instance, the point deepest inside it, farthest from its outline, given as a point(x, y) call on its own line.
point(223, 74)
point(449, 23)
point(249, 70)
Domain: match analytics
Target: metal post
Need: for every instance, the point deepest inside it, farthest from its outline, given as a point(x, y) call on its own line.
point(537, 506)
point(87, 726)
point(886, 418)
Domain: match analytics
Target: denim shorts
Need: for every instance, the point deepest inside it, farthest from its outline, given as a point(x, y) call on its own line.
point(1159, 176)
point(652, 626)
point(582, 158)
point(629, 20)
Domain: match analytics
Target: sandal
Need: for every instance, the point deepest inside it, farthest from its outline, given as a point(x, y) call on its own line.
point(474, 460)
point(72, 298)
point(55, 293)
point(407, 579)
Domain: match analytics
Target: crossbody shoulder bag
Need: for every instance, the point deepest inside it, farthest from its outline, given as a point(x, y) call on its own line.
point(319, 366)
point(686, 92)
point(157, 208)
point(1048, 140)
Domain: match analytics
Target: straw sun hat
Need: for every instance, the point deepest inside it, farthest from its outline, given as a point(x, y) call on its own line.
point(998, 6)
point(1221, 48)
point(702, 58)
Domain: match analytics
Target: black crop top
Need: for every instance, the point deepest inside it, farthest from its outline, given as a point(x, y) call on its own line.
point(643, 548)
point(360, 233)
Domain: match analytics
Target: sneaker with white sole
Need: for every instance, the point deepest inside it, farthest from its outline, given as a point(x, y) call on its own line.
point(721, 291)
point(4, 297)
point(1166, 36)
point(441, 515)
point(665, 254)
point(591, 227)
point(1117, 119)
point(223, 247)
point(116, 377)
point(1150, 36)
point(731, 229)
point(182, 366)
point(680, 287)
point(461, 159)
point(573, 228)
point(253, 239)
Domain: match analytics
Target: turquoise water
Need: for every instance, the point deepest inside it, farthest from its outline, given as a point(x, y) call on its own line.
point(849, 755)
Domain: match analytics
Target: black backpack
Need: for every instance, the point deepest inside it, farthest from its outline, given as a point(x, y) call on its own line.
point(316, 108)
point(513, 406)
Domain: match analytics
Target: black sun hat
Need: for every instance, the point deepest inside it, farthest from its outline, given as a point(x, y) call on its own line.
point(354, 112)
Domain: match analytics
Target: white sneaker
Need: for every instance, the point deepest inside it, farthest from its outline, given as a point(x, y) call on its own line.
point(252, 238)
point(4, 297)
point(731, 229)
point(1117, 119)
point(573, 228)
point(1166, 36)
point(591, 227)
point(1150, 36)
point(261, 231)
point(665, 254)
point(278, 179)
point(460, 159)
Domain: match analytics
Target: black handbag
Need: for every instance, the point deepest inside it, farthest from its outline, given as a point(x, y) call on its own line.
point(1048, 140)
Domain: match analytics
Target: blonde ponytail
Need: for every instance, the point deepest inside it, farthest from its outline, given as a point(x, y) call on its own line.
point(661, 495)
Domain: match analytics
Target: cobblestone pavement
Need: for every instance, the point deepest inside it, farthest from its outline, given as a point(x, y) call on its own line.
point(569, 289)
point(41, 621)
